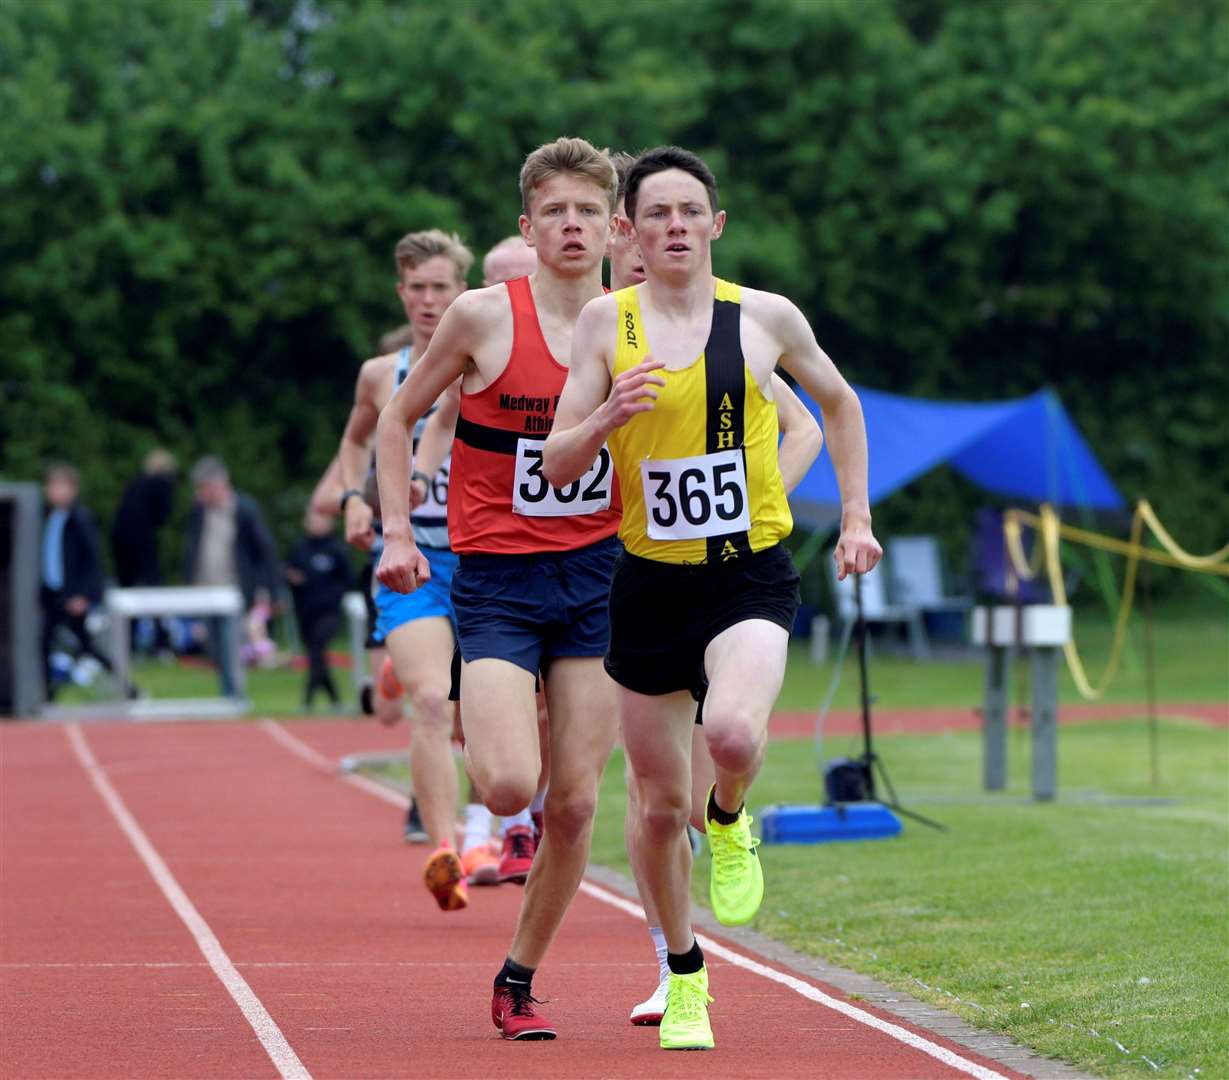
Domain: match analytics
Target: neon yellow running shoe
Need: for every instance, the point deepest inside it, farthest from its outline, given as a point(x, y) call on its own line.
point(684, 1025)
point(736, 879)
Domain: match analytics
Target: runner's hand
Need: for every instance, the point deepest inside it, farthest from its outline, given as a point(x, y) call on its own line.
point(857, 551)
point(359, 516)
point(632, 393)
point(403, 568)
point(418, 494)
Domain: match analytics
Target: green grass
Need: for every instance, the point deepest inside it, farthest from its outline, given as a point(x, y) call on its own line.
point(1065, 926)
point(1192, 662)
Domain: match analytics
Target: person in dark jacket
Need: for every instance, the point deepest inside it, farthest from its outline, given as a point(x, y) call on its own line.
point(71, 566)
point(143, 510)
point(228, 543)
point(318, 569)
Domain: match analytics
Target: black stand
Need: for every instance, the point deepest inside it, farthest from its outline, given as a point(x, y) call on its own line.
point(870, 761)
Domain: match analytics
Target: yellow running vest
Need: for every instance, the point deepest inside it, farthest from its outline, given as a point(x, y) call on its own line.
point(699, 474)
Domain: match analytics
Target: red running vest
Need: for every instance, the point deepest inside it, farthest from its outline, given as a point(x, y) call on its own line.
point(499, 502)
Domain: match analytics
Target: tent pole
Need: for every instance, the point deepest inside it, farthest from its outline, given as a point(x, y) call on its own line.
point(1150, 679)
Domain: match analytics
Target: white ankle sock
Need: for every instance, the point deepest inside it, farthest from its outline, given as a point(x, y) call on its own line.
point(522, 818)
point(539, 801)
point(659, 946)
point(477, 826)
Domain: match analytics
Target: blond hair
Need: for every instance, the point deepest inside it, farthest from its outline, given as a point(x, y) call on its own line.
point(416, 248)
point(572, 157)
point(622, 161)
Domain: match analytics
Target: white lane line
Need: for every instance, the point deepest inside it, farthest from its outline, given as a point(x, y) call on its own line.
point(313, 757)
point(284, 1059)
point(942, 1053)
point(895, 1031)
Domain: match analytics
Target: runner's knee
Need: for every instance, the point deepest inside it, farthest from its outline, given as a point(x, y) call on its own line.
point(663, 815)
point(431, 707)
point(502, 792)
point(734, 738)
point(568, 814)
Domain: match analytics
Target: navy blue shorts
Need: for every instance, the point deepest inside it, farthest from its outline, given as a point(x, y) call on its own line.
point(532, 609)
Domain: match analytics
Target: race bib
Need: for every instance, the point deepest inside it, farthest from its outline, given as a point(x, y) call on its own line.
point(696, 497)
point(532, 496)
point(436, 502)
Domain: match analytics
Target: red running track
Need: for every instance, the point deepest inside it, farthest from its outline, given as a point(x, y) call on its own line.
point(314, 898)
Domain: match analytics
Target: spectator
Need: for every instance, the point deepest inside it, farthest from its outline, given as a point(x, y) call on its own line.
point(143, 510)
point(318, 569)
point(71, 570)
point(228, 543)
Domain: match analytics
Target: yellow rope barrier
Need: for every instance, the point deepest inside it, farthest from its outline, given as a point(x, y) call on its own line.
point(1052, 531)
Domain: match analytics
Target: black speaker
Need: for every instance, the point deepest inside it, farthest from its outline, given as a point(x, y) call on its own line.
point(21, 665)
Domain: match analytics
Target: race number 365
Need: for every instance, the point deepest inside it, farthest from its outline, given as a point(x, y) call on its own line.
point(532, 496)
point(695, 497)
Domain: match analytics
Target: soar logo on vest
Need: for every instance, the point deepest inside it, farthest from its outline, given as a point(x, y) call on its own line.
point(629, 328)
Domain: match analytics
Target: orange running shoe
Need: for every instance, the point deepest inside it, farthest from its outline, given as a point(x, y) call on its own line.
point(480, 865)
point(390, 685)
point(445, 879)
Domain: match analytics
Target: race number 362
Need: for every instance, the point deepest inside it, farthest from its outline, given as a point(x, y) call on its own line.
point(532, 496)
point(695, 497)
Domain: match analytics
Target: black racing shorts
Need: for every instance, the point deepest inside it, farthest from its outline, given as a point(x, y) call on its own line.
point(664, 615)
point(533, 609)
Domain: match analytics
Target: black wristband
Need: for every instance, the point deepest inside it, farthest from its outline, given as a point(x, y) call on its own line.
point(416, 475)
point(345, 497)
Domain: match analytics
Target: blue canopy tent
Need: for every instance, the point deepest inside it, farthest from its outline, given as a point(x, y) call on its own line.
point(1027, 448)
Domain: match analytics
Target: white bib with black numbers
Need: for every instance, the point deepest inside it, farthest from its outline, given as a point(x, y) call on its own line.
point(532, 496)
point(695, 497)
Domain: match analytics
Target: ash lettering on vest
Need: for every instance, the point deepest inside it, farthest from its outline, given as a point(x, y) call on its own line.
point(725, 423)
point(629, 327)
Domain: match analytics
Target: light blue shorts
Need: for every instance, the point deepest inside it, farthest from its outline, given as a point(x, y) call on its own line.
point(394, 609)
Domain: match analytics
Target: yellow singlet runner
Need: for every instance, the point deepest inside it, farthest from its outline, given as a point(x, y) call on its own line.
point(699, 474)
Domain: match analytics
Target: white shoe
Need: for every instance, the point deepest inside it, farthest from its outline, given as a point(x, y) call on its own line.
point(649, 1013)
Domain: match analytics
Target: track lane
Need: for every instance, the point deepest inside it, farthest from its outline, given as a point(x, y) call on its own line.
point(307, 885)
point(98, 977)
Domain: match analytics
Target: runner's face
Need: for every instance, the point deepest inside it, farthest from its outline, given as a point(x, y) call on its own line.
point(626, 264)
point(426, 290)
point(568, 224)
point(675, 225)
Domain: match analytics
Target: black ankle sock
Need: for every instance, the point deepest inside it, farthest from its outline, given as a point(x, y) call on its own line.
point(687, 963)
point(514, 972)
point(715, 813)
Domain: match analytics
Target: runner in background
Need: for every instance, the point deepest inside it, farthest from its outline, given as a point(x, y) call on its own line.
point(417, 631)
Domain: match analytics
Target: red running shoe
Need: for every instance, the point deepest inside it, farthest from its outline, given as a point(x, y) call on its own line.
point(517, 855)
point(513, 1012)
point(539, 820)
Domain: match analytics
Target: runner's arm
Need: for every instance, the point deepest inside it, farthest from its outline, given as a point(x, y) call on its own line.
point(401, 566)
point(591, 408)
point(801, 438)
point(857, 550)
point(354, 455)
point(436, 441)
